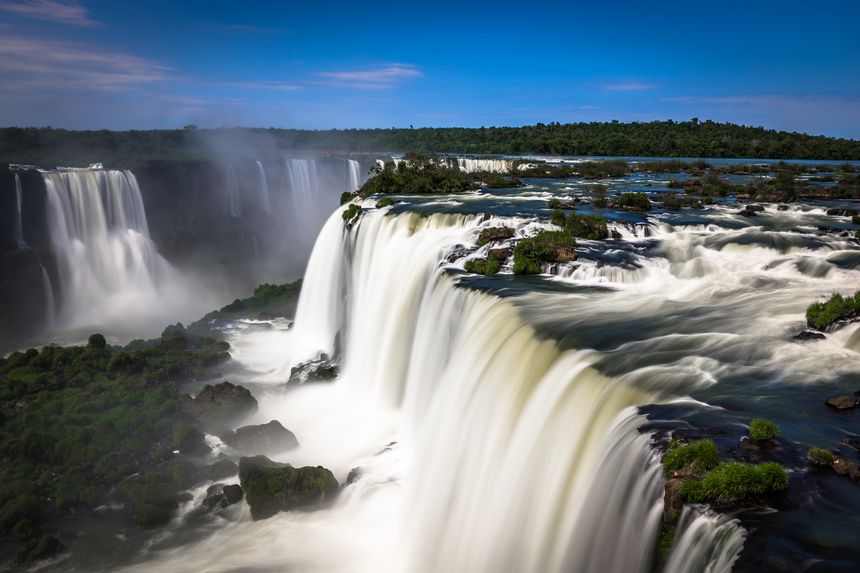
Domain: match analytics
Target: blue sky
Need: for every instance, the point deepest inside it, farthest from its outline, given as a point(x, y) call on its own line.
point(139, 65)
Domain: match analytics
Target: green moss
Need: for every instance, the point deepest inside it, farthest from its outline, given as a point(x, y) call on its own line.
point(591, 227)
point(493, 234)
point(762, 429)
point(488, 266)
point(733, 482)
point(384, 202)
point(820, 315)
point(545, 247)
point(697, 457)
point(820, 456)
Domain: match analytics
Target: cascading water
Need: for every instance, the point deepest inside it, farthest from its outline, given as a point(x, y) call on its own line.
point(107, 264)
point(234, 199)
point(265, 198)
point(706, 541)
point(513, 454)
point(50, 305)
point(19, 225)
point(471, 165)
point(354, 174)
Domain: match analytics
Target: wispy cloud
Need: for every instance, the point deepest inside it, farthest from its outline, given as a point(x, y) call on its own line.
point(382, 77)
point(59, 11)
point(28, 63)
point(628, 87)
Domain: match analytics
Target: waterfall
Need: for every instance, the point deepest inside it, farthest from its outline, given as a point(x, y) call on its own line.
point(483, 396)
point(265, 199)
point(705, 541)
point(304, 187)
point(471, 165)
point(354, 175)
point(19, 225)
point(50, 306)
point(234, 200)
point(106, 260)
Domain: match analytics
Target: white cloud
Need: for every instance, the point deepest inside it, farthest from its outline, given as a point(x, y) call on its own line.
point(58, 11)
point(381, 77)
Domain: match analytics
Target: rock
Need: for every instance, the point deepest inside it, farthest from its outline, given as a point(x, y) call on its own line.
point(354, 475)
point(501, 254)
point(844, 402)
point(807, 335)
point(271, 438)
point(673, 501)
point(493, 234)
point(221, 496)
point(842, 212)
point(220, 406)
point(271, 487)
point(46, 547)
point(320, 370)
point(852, 441)
point(613, 234)
point(782, 207)
point(747, 213)
point(221, 469)
point(846, 468)
point(458, 253)
point(756, 208)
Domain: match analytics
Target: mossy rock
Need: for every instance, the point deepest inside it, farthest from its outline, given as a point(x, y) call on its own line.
point(494, 234)
point(46, 547)
point(221, 405)
point(271, 438)
point(271, 487)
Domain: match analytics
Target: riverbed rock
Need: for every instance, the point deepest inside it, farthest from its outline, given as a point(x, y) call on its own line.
point(220, 406)
point(808, 335)
point(782, 207)
point(502, 254)
point(747, 212)
point(272, 487)
point(220, 496)
point(271, 438)
point(844, 402)
point(846, 468)
point(494, 234)
point(842, 212)
point(354, 475)
point(320, 370)
point(458, 252)
point(851, 441)
point(221, 469)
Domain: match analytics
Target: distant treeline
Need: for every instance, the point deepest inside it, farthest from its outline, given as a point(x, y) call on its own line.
point(655, 139)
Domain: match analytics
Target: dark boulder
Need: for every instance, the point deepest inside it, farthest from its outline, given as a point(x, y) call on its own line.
point(842, 212)
point(846, 468)
point(271, 487)
point(501, 254)
point(46, 547)
point(220, 406)
point(807, 335)
point(220, 496)
point(354, 475)
point(271, 438)
point(747, 212)
point(494, 234)
point(782, 207)
point(320, 370)
point(458, 253)
point(221, 469)
point(842, 402)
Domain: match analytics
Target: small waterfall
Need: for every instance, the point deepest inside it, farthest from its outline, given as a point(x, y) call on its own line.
point(354, 175)
point(471, 165)
point(234, 200)
point(265, 198)
point(705, 541)
point(303, 183)
point(50, 307)
point(106, 260)
point(19, 225)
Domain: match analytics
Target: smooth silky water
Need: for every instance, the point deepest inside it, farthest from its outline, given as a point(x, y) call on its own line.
point(506, 424)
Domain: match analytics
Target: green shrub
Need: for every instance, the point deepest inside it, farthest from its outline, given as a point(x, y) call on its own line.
point(635, 201)
point(591, 227)
point(554, 203)
point(350, 215)
point(820, 456)
point(734, 481)
point(697, 457)
point(762, 429)
point(384, 202)
point(820, 315)
point(488, 266)
point(346, 197)
point(855, 219)
point(545, 247)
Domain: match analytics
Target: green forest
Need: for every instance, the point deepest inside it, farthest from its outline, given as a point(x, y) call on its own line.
point(692, 138)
